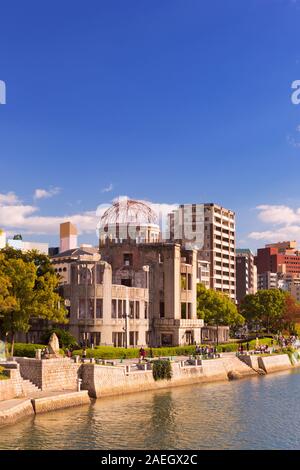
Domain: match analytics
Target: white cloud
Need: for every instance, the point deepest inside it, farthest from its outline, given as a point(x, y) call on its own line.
point(46, 193)
point(283, 221)
point(9, 199)
point(109, 188)
point(14, 215)
point(278, 214)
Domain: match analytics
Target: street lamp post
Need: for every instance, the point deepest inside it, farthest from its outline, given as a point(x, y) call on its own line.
point(126, 329)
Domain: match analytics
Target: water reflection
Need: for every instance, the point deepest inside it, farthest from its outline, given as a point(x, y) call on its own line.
point(255, 413)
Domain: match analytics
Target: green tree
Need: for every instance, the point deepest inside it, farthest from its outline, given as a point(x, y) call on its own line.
point(32, 288)
point(217, 308)
point(265, 308)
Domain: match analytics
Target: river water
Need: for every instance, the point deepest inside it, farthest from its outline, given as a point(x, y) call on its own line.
point(252, 413)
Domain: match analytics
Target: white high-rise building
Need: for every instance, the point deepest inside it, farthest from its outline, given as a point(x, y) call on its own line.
point(210, 229)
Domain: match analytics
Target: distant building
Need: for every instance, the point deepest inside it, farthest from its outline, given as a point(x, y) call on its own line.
point(278, 257)
point(246, 274)
point(267, 280)
point(68, 236)
point(19, 244)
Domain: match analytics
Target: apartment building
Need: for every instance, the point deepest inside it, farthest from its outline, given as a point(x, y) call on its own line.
point(246, 274)
point(210, 229)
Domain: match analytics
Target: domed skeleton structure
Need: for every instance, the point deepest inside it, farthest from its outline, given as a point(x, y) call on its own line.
point(129, 219)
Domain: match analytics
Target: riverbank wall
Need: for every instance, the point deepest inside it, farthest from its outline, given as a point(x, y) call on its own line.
point(268, 364)
point(103, 381)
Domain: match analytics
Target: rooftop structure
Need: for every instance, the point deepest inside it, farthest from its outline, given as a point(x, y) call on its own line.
point(129, 219)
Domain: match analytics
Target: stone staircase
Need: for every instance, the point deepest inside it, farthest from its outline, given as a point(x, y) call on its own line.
point(29, 389)
point(236, 368)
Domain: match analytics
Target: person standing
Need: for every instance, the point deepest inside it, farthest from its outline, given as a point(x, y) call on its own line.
point(142, 353)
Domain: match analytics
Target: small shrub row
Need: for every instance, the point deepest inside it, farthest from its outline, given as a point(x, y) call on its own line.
point(26, 350)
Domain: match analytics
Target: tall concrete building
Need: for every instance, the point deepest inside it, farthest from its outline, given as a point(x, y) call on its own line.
point(246, 274)
point(68, 236)
point(210, 229)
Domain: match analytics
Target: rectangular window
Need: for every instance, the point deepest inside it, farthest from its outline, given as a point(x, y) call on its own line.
point(99, 274)
point(131, 309)
point(183, 311)
point(146, 310)
point(131, 338)
point(162, 309)
point(99, 308)
point(120, 311)
point(183, 281)
point(137, 309)
point(127, 258)
point(189, 286)
point(98, 338)
point(189, 310)
point(81, 312)
point(113, 308)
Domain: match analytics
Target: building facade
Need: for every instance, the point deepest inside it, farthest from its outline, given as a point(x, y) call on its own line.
point(171, 277)
point(246, 274)
point(278, 257)
point(100, 312)
point(210, 229)
point(267, 280)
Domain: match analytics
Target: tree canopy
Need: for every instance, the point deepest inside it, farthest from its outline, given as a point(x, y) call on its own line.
point(216, 308)
point(272, 309)
point(28, 289)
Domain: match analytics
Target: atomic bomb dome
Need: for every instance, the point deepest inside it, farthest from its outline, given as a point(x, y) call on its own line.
point(128, 219)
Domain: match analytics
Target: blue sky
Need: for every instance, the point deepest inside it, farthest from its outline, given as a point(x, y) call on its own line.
point(169, 101)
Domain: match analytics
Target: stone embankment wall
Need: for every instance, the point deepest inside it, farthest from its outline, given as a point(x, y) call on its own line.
point(50, 374)
point(17, 410)
point(109, 380)
point(57, 402)
point(274, 363)
point(11, 387)
point(269, 364)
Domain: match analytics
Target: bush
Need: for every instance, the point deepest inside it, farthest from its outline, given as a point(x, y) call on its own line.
point(161, 370)
point(109, 352)
point(26, 350)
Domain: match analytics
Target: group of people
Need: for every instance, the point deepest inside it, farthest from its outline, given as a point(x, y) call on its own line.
point(208, 350)
point(284, 342)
